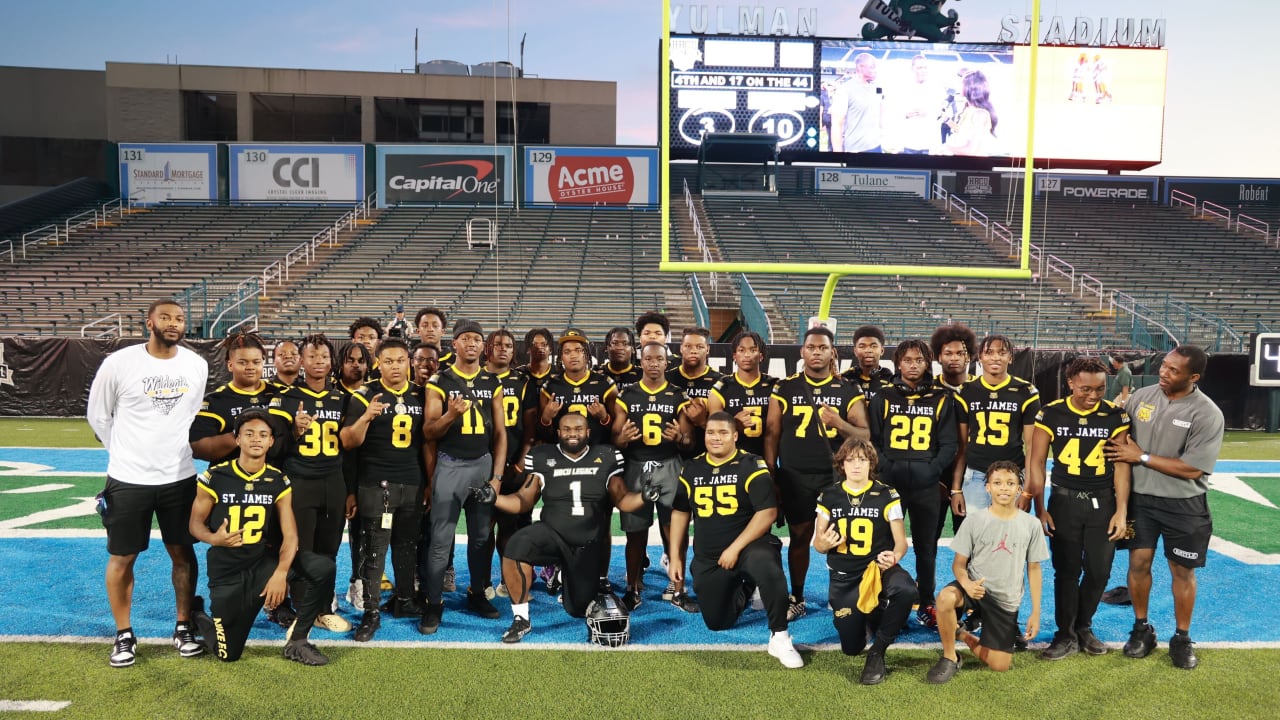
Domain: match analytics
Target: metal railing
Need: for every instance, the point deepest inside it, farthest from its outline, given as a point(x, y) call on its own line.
point(701, 314)
point(1141, 334)
point(48, 233)
point(1216, 210)
point(1254, 224)
point(9, 250)
point(1177, 197)
point(108, 329)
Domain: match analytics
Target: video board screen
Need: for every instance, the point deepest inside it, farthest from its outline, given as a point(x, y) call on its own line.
point(963, 100)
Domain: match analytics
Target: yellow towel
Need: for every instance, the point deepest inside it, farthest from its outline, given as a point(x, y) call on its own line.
point(869, 589)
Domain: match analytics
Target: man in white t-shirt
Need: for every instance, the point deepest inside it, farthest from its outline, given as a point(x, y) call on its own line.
point(142, 402)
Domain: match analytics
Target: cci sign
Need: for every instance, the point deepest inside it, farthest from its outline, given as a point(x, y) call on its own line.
point(297, 173)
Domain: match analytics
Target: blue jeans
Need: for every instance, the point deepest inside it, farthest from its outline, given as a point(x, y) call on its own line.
point(974, 487)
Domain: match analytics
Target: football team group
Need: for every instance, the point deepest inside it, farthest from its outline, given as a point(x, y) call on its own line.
point(393, 441)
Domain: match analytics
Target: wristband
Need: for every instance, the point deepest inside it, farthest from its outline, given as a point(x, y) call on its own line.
point(957, 492)
point(1027, 495)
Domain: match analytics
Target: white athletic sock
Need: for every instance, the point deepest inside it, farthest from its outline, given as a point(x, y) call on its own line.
point(780, 634)
point(520, 610)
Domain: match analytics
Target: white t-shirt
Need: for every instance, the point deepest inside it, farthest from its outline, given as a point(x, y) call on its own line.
point(141, 408)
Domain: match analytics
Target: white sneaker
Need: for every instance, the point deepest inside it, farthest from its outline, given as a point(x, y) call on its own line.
point(490, 593)
point(757, 602)
point(333, 623)
point(501, 590)
point(355, 594)
point(780, 647)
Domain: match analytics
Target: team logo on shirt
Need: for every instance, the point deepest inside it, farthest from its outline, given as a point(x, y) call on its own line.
point(1144, 412)
point(165, 391)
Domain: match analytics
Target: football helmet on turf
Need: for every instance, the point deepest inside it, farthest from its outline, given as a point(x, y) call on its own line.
point(608, 622)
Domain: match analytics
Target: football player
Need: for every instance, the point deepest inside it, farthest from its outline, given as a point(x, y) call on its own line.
point(695, 378)
point(368, 332)
point(519, 406)
point(996, 418)
point(859, 528)
point(1088, 504)
point(953, 346)
point(620, 352)
point(578, 389)
point(868, 349)
point(651, 428)
point(745, 392)
point(384, 419)
point(577, 481)
point(352, 371)
point(728, 494)
point(236, 503)
point(210, 434)
point(430, 323)
point(286, 359)
point(313, 410)
point(913, 427)
point(426, 362)
point(810, 414)
point(464, 419)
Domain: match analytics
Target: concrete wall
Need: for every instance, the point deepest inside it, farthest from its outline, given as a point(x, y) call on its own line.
point(47, 102)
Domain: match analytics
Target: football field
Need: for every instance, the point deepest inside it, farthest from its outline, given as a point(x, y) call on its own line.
point(55, 632)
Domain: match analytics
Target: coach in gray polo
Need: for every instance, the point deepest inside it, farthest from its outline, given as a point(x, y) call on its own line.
point(1173, 446)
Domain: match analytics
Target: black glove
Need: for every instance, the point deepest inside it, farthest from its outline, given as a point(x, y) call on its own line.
point(650, 490)
point(484, 494)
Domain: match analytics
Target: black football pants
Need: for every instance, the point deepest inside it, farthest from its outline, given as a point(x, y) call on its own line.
point(897, 595)
point(917, 486)
point(319, 505)
point(404, 504)
point(1079, 543)
point(235, 599)
point(724, 594)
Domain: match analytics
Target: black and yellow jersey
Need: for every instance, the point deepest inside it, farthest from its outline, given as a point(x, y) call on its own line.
point(624, 377)
point(916, 424)
point(1077, 439)
point(864, 519)
point(319, 451)
point(736, 396)
point(651, 410)
point(218, 413)
point(471, 434)
point(869, 384)
point(722, 497)
point(519, 395)
point(697, 387)
point(575, 396)
point(800, 448)
point(575, 492)
point(996, 415)
point(246, 501)
point(392, 447)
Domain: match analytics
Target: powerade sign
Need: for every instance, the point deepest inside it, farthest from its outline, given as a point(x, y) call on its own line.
point(155, 173)
point(296, 173)
point(588, 177)
point(844, 180)
point(1101, 187)
point(1226, 191)
point(409, 174)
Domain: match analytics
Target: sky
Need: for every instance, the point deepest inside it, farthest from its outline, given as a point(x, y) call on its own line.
point(1218, 118)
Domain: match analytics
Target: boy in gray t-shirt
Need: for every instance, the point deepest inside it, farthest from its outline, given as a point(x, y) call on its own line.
point(994, 550)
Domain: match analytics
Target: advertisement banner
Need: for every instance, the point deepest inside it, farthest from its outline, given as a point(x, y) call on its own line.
point(978, 183)
point(155, 173)
point(296, 173)
point(1098, 187)
point(585, 177)
point(855, 180)
point(1226, 191)
point(443, 173)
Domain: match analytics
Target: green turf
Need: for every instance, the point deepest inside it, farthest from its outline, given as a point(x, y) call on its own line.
point(1244, 522)
point(388, 683)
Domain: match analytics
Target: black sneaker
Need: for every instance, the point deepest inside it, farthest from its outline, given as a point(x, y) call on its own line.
point(1118, 595)
point(403, 607)
point(1090, 644)
point(943, 670)
point(1061, 647)
point(304, 652)
point(369, 625)
point(873, 672)
point(431, 617)
point(795, 608)
point(631, 599)
point(1142, 640)
point(125, 651)
point(1181, 652)
point(184, 640)
point(519, 628)
point(670, 591)
point(684, 602)
point(480, 605)
point(553, 581)
point(282, 614)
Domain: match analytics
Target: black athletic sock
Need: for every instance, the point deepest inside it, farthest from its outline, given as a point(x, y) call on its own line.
point(1139, 623)
point(1182, 633)
point(181, 625)
point(125, 631)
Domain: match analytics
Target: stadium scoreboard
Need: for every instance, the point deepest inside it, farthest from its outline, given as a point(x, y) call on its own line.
point(1264, 361)
point(744, 85)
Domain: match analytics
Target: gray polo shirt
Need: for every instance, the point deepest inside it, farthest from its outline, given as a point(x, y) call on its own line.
point(1189, 428)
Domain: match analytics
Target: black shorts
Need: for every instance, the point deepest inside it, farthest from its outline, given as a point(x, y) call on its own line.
point(130, 509)
point(799, 494)
point(999, 626)
point(1184, 523)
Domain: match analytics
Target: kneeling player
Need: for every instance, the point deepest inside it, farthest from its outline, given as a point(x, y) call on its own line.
point(730, 494)
point(232, 512)
point(859, 527)
point(577, 483)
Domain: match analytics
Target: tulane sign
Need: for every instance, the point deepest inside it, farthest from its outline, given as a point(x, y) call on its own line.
point(743, 20)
